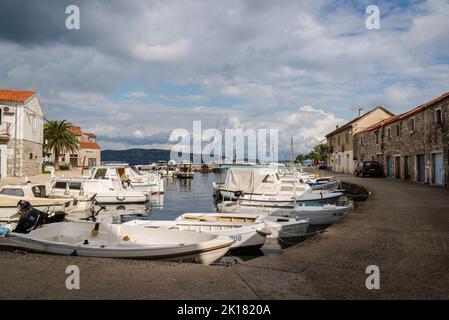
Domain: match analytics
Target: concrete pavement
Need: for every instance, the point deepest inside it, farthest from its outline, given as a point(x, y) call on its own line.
point(403, 228)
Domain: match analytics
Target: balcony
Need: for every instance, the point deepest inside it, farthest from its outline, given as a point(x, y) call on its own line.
point(5, 133)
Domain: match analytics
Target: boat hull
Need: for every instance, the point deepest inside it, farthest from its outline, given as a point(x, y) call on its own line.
point(315, 215)
point(206, 251)
point(244, 236)
point(286, 202)
point(106, 198)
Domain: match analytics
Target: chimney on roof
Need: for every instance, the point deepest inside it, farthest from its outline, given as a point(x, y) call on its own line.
point(360, 112)
point(336, 127)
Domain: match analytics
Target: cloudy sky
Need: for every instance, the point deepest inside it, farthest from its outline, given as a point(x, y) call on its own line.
point(138, 69)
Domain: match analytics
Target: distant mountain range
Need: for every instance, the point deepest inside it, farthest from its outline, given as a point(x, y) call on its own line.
point(135, 156)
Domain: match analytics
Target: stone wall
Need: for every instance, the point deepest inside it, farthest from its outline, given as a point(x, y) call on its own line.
point(427, 138)
point(89, 154)
point(28, 158)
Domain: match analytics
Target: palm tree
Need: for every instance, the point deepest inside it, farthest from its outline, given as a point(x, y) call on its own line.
point(59, 138)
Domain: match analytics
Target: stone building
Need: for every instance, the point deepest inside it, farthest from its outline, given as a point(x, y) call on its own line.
point(21, 133)
point(411, 146)
point(89, 153)
point(341, 145)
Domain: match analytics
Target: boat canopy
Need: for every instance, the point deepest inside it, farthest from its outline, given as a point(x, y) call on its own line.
point(253, 180)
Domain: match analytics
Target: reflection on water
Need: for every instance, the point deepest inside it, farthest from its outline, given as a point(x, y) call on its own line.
point(181, 196)
point(122, 212)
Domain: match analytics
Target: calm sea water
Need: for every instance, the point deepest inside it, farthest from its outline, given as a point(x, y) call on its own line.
point(185, 195)
point(182, 196)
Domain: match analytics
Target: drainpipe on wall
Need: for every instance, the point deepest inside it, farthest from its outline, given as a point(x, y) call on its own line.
point(15, 140)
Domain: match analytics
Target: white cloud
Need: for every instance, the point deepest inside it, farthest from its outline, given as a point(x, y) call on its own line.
point(136, 95)
point(271, 58)
point(161, 52)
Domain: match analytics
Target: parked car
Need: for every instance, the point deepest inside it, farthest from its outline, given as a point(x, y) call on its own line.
point(368, 168)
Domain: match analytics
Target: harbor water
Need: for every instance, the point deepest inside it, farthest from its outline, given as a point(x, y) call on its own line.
point(184, 196)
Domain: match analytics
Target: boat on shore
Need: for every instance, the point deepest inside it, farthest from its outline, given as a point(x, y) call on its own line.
point(246, 236)
point(120, 241)
point(280, 227)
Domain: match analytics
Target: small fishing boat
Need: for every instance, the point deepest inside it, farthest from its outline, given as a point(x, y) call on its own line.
point(280, 227)
point(317, 214)
point(120, 241)
point(245, 235)
point(184, 170)
point(149, 182)
point(106, 190)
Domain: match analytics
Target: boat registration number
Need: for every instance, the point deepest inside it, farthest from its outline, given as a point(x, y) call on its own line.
point(236, 237)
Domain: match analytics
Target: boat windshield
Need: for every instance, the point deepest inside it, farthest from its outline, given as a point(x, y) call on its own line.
point(16, 192)
point(39, 191)
point(100, 174)
point(135, 170)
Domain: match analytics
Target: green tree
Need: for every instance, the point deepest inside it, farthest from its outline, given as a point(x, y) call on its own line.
point(301, 157)
point(319, 151)
point(58, 138)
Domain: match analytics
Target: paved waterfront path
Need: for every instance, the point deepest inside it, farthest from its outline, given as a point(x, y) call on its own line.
point(403, 229)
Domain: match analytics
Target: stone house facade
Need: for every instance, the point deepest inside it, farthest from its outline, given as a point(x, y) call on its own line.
point(411, 146)
point(21, 133)
point(341, 144)
point(89, 153)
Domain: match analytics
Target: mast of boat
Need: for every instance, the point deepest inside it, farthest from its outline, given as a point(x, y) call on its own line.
point(294, 188)
point(291, 151)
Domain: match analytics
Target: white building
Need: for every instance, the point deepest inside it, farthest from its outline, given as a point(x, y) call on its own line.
point(21, 133)
point(341, 156)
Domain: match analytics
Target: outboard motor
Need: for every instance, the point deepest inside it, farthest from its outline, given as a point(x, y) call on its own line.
point(30, 218)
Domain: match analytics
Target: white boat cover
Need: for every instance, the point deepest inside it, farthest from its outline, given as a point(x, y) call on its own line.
point(256, 181)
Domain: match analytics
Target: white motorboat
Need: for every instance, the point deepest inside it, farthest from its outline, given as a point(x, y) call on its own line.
point(149, 182)
point(106, 190)
point(280, 201)
point(326, 214)
point(109, 191)
point(120, 241)
point(36, 195)
point(280, 227)
point(263, 186)
point(314, 181)
point(245, 235)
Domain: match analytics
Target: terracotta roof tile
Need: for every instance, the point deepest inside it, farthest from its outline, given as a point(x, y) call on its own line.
point(15, 95)
point(425, 105)
point(383, 122)
point(406, 114)
point(75, 130)
point(92, 135)
point(89, 145)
